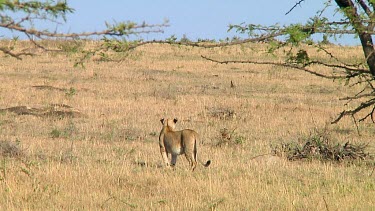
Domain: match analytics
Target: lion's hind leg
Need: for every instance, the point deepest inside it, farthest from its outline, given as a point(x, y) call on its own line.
point(192, 162)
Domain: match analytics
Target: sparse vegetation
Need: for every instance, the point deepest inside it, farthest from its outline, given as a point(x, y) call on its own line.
point(71, 92)
point(109, 157)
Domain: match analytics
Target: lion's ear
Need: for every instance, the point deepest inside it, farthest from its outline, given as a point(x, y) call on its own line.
point(162, 121)
point(175, 120)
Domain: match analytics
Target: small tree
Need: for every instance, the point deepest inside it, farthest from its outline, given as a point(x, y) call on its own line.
point(21, 16)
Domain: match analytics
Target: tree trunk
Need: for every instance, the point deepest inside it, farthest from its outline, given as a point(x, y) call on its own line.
point(366, 40)
point(368, 49)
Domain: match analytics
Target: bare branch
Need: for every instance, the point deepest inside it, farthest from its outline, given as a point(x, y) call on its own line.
point(358, 96)
point(295, 5)
point(356, 110)
point(15, 55)
point(39, 46)
point(356, 125)
point(336, 59)
point(355, 70)
point(372, 114)
point(276, 64)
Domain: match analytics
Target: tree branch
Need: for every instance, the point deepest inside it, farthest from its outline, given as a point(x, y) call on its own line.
point(356, 70)
point(356, 110)
point(15, 55)
point(276, 64)
point(210, 45)
point(295, 5)
point(59, 8)
point(365, 7)
point(111, 32)
point(338, 60)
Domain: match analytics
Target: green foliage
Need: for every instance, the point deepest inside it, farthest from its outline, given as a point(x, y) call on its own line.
point(239, 139)
point(20, 16)
point(71, 92)
point(108, 50)
point(297, 34)
point(56, 133)
point(53, 9)
point(116, 45)
point(122, 28)
point(301, 57)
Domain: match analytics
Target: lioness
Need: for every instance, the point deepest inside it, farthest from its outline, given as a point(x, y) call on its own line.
point(178, 143)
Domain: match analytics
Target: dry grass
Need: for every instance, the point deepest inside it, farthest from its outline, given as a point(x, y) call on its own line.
point(109, 158)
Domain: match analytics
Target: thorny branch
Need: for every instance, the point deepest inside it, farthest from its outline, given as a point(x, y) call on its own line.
point(111, 32)
point(27, 12)
point(315, 29)
point(32, 33)
point(209, 45)
point(295, 66)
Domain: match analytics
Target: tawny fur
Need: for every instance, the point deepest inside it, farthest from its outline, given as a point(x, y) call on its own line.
point(178, 143)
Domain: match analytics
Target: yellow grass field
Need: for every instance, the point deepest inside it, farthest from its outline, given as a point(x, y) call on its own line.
point(108, 157)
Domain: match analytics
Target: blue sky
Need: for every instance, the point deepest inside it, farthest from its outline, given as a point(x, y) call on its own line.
point(194, 18)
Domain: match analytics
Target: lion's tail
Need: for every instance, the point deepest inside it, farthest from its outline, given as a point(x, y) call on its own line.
point(196, 157)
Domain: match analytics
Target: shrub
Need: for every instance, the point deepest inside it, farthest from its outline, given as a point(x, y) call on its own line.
point(320, 146)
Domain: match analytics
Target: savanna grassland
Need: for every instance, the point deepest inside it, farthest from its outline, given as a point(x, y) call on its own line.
point(107, 157)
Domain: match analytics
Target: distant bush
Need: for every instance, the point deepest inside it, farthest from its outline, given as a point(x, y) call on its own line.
point(185, 39)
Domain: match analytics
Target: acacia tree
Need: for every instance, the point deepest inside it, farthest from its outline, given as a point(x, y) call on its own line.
point(22, 16)
point(358, 18)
